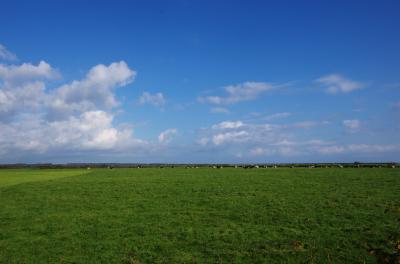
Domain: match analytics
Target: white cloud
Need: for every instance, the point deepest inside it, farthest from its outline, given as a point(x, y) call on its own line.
point(26, 97)
point(73, 118)
point(227, 137)
point(95, 91)
point(254, 140)
point(26, 72)
point(91, 130)
point(237, 132)
point(22, 87)
point(270, 151)
point(167, 135)
point(271, 134)
point(220, 110)
point(228, 125)
point(352, 125)
point(6, 55)
point(335, 83)
point(156, 99)
point(77, 120)
point(236, 93)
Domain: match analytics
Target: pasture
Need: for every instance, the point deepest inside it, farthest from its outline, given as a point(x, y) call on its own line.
point(203, 215)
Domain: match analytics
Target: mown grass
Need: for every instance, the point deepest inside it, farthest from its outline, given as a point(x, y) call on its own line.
point(203, 216)
point(10, 177)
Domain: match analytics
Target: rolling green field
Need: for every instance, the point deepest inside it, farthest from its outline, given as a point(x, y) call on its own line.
point(200, 215)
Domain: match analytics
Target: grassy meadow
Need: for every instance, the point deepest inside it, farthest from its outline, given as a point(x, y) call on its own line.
point(205, 215)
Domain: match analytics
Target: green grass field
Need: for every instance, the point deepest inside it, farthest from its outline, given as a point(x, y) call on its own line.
point(200, 216)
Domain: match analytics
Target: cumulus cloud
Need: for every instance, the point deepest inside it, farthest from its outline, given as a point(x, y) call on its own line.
point(26, 72)
point(156, 99)
point(22, 87)
point(226, 137)
point(167, 135)
point(236, 93)
point(26, 97)
point(92, 130)
point(95, 91)
point(6, 54)
point(335, 83)
point(90, 133)
point(75, 117)
point(352, 125)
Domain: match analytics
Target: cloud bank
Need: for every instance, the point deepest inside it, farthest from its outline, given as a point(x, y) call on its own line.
point(76, 117)
point(45, 119)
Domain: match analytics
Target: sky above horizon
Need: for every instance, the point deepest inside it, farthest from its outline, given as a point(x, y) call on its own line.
point(199, 81)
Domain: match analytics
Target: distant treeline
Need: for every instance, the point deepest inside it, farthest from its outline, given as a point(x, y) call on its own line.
point(215, 166)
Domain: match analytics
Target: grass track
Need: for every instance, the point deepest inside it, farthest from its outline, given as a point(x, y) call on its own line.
point(201, 216)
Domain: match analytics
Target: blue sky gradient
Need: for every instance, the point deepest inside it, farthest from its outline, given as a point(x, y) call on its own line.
point(199, 81)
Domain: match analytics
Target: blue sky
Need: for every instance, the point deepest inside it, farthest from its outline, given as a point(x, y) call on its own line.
point(199, 81)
